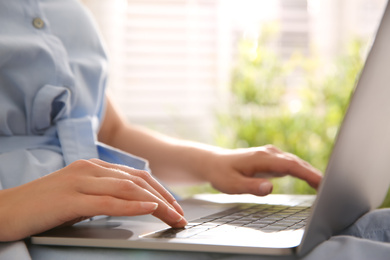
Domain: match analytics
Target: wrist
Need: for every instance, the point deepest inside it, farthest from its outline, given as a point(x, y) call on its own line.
point(203, 160)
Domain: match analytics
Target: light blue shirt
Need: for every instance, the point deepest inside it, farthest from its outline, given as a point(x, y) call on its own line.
point(53, 71)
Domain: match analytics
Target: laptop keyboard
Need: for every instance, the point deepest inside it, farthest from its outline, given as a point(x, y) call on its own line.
point(263, 217)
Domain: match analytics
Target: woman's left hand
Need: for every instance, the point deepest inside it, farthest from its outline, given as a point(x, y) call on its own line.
point(247, 170)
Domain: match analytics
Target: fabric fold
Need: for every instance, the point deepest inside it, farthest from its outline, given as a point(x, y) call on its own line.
point(50, 104)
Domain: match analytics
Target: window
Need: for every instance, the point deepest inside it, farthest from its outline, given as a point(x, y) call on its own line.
point(167, 57)
point(171, 59)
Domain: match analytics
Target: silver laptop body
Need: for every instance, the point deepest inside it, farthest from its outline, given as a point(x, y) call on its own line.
point(356, 181)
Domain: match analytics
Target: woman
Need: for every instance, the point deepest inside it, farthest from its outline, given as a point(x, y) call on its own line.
point(66, 154)
point(53, 74)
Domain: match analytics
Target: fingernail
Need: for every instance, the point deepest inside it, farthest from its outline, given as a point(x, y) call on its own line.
point(149, 206)
point(265, 188)
point(176, 217)
point(177, 206)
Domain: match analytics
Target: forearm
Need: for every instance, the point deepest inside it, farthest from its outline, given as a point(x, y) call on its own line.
point(170, 159)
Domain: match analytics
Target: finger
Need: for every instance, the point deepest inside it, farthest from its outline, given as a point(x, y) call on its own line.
point(146, 181)
point(281, 163)
point(259, 187)
point(106, 205)
point(299, 168)
point(152, 184)
point(279, 153)
point(120, 176)
point(272, 148)
point(125, 189)
point(293, 156)
point(239, 184)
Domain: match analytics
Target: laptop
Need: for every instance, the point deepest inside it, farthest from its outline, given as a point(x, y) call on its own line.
point(356, 181)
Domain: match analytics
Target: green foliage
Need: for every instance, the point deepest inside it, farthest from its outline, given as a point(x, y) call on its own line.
point(300, 118)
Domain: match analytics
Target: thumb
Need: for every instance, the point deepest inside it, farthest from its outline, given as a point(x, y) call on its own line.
point(256, 186)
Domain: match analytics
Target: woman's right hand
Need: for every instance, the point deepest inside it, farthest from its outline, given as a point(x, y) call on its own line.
point(81, 190)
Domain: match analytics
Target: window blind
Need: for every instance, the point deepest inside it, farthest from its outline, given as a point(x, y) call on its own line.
point(166, 59)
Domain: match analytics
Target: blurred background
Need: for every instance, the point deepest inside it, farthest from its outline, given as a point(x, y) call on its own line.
point(239, 73)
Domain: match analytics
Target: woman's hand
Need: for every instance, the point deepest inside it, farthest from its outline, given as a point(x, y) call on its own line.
point(235, 171)
point(81, 190)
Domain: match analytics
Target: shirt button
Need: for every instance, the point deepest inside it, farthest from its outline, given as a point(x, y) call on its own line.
point(38, 23)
